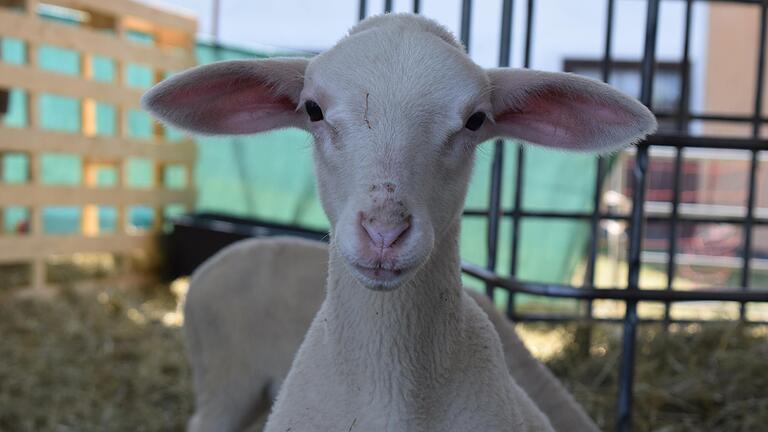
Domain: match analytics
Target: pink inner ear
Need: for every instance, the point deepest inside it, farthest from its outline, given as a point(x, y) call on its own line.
point(248, 109)
point(224, 104)
point(560, 118)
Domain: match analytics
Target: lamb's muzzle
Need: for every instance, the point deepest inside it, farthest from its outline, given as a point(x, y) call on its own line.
point(383, 236)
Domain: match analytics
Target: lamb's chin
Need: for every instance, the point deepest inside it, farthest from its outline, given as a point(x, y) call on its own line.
point(380, 279)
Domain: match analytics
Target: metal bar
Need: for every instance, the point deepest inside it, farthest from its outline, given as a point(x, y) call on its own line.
point(617, 217)
point(749, 222)
point(516, 216)
point(530, 7)
point(215, 13)
point(682, 107)
point(607, 58)
point(517, 198)
point(643, 321)
point(627, 295)
point(387, 6)
point(362, 10)
point(627, 365)
point(494, 211)
point(466, 21)
point(594, 221)
point(711, 117)
point(674, 217)
point(682, 127)
point(677, 141)
point(494, 201)
point(505, 43)
point(416, 6)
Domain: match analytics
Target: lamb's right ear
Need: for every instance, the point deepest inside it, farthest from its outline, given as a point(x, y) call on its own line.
point(231, 97)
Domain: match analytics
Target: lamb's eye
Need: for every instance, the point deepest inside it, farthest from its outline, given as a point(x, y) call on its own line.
point(475, 121)
point(314, 111)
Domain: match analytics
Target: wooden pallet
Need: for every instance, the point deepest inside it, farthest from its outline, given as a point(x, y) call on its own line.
point(103, 31)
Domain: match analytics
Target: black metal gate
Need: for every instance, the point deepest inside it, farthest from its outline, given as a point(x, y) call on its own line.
point(677, 140)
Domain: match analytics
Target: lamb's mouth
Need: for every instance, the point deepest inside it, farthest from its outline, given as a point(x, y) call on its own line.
point(380, 278)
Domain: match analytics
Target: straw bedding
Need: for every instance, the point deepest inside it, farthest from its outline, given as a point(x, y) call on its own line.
point(113, 361)
point(97, 362)
point(690, 378)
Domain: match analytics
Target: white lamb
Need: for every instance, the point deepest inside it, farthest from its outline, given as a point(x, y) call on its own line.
point(247, 311)
point(397, 109)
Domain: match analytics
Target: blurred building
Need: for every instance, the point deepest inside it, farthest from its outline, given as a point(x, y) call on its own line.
point(720, 89)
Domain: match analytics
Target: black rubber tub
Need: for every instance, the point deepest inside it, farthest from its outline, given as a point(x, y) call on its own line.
point(197, 237)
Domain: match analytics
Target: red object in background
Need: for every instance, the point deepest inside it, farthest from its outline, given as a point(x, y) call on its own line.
point(3, 101)
point(22, 227)
point(661, 180)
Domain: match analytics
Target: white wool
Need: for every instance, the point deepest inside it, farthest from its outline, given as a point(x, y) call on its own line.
point(246, 314)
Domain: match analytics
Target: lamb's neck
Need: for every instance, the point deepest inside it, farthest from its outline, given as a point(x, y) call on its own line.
point(407, 334)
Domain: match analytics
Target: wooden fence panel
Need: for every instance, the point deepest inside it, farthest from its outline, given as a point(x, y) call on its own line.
point(104, 30)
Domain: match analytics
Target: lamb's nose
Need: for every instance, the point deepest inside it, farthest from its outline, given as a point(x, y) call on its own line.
point(385, 235)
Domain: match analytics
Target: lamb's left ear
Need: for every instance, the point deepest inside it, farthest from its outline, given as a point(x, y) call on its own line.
point(231, 97)
point(565, 111)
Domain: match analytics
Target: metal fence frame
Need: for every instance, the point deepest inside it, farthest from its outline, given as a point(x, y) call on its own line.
point(678, 141)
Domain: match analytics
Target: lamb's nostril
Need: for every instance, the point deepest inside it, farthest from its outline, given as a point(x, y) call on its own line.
point(385, 235)
point(389, 187)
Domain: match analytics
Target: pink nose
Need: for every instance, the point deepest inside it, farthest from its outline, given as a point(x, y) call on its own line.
point(384, 235)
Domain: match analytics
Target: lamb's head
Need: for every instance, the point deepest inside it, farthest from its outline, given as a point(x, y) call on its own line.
point(396, 109)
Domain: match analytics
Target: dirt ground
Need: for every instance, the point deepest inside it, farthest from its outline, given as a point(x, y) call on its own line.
point(113, 361)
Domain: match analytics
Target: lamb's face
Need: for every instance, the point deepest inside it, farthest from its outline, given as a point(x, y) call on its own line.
point(394, 149)
point(397, 109)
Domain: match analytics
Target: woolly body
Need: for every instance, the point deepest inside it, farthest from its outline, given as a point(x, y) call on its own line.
point(248, 309)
